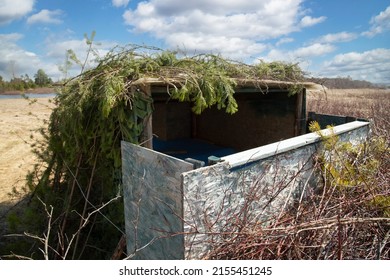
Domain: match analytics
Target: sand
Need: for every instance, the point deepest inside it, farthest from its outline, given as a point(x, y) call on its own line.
point(18, 121)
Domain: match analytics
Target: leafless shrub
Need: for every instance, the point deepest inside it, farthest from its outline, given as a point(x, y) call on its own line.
point(65, 244)
point(330, 225)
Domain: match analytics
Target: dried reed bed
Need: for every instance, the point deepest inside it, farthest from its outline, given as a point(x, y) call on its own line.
point(371, 104)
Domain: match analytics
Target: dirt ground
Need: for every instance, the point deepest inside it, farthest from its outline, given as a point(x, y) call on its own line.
point(18, 121)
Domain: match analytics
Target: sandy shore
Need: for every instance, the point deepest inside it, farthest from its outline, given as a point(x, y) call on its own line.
point(34, 90)
point(19, 120)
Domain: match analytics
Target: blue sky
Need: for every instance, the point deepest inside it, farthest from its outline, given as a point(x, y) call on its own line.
point(327, 38)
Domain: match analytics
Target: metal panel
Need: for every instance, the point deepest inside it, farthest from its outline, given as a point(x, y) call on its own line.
point(153, 197)
point(325, 119)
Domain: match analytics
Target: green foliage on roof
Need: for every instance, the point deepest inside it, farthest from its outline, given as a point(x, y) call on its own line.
point(205, 79)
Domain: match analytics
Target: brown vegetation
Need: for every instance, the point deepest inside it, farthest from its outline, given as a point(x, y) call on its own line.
point(370, 104)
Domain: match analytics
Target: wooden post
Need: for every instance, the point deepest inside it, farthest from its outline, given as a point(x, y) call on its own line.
point(147, 134)
point(300, 113)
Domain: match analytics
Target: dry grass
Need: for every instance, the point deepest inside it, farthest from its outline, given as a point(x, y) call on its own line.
point(372, 104)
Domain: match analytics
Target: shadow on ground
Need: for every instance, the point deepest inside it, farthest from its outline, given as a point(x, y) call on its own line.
point(7, 208)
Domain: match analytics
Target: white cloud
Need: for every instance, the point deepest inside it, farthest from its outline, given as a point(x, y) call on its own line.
point(234, 48)
point(14, 60)
point(12, 37)
point(314, 50)
point(304, 56)
point(11, 10)
point(284, 41)
point(301, 54)
point(56, 48)
point(372, 65)
point(229, 27)
point(46, 16)
point(267, 21)
point(56, 52)
point(221, 7)
point(337, 37)
point(120, 3)
point(379, 24)
point(307, 21)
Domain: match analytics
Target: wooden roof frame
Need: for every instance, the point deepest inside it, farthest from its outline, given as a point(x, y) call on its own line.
point(256, 83)
point(147, 83)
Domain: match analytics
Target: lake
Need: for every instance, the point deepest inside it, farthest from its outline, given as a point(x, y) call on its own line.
point(30, 95)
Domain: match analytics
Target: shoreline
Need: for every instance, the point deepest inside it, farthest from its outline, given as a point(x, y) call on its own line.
point(40, 90)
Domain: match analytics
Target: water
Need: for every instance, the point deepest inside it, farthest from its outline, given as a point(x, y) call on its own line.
point(30, 95)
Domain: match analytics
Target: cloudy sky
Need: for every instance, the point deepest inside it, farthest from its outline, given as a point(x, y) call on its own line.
point(327, 37)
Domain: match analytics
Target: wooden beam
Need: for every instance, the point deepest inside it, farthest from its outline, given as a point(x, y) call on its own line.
point(300, 113)
point(147, 134)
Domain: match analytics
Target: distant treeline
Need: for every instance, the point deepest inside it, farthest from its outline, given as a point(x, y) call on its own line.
point(344, 83)
point(24, 82)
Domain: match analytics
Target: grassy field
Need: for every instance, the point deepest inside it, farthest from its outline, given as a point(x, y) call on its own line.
point(371, 104)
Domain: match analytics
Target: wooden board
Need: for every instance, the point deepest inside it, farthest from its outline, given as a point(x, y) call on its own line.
point(153, 197)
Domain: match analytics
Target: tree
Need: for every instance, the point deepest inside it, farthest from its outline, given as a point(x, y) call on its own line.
point(17, 84)
point(2, 84)
point(27, 81)
point(42, 79)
